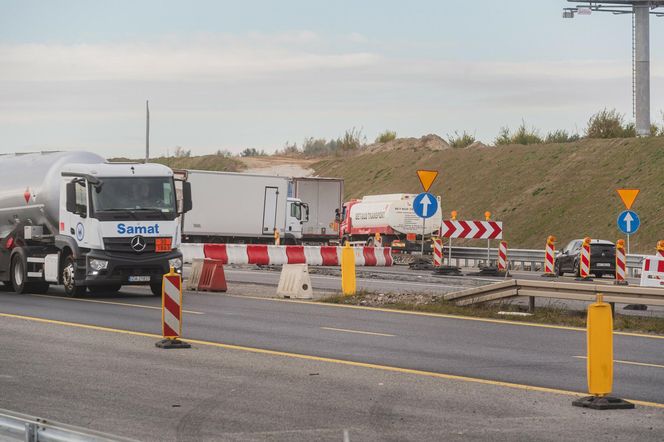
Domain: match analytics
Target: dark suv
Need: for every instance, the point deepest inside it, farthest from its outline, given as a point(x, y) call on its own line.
point(602, 258)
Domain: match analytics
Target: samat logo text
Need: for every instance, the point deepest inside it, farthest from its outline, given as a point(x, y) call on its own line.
point(124, 229)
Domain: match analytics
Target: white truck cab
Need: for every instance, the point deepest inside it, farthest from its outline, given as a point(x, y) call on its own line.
point(296, 215)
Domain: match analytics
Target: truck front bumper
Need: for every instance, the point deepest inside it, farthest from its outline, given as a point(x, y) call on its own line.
point(127, 268)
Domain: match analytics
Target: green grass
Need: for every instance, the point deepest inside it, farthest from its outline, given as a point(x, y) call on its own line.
point(566, 190)
point(551, 314)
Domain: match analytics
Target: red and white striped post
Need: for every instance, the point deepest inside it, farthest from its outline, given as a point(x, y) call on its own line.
point(549, 257)
point(502, 256)
point(437, 252)
point(621, 263)
point(171, 311)
point(584, 262)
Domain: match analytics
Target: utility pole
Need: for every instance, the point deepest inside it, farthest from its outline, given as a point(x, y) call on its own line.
point(642, 68)
point(147, 131)
point(641, 10)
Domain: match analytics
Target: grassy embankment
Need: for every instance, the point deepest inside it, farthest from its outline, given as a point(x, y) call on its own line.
point(566, 190)
point(203, 162)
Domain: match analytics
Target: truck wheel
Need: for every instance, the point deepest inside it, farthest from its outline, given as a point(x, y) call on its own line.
point(68, 278)
point(18, 274)
point(155, 287)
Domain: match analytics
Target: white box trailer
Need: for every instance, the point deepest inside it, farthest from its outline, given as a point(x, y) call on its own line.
point(240, 208)
point(324, 197)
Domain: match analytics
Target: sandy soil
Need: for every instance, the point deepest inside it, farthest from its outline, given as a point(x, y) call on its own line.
point(280, 166)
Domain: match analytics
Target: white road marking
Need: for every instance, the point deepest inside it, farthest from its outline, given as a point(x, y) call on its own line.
point(356, 331)
point(643, 364)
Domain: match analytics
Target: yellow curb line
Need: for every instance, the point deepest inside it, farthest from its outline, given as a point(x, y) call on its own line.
point(330, 360)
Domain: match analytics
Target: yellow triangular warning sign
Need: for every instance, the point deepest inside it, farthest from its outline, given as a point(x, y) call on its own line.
point(427, 178)
point(628, 196)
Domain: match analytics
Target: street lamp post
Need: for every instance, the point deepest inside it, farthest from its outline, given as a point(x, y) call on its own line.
point(641, 10)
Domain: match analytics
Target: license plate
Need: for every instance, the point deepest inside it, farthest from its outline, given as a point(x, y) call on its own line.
point(139, 279)
point(603, 264)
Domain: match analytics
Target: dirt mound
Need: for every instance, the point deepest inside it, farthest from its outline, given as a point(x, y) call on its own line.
point(431, 142)
point(477, 144)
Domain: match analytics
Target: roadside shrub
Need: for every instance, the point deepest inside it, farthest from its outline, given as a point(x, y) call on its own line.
point(523, 135)
point(252, 152)
point(459, 141)
point(225, 153)
point(609, 124)
point(503, 137)
point(289, 149)
point(386, 136)
point(181, 152)
point(353, 139)
point(561, 136)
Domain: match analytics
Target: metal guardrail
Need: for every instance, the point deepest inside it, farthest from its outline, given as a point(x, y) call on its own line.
point(519, 259)
point(21, 427)
point(558, 290)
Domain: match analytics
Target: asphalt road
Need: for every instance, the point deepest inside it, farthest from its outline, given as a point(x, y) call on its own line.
point(400, 279)
point(537, 356)
point(122, 384)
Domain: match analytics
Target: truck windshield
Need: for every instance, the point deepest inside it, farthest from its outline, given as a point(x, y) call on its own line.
point(138, 196)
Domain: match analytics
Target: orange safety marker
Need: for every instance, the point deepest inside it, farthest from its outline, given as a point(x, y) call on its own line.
point(660, 248)
point(584, 261)
point(171, 311)
point(549, 257)
point(502, 256)
point(437, 251)
point(621, 263)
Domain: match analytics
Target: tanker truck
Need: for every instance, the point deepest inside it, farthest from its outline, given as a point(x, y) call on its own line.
point(392, 216)
point(73, 219)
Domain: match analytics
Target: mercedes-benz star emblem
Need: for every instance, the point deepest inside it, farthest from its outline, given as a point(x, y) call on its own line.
point(138, 243)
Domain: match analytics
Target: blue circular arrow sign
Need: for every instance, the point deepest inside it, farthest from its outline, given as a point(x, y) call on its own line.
point(628, 222)
point(425, 205)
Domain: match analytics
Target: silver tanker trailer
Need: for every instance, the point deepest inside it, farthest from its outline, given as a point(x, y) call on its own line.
point(71, 218)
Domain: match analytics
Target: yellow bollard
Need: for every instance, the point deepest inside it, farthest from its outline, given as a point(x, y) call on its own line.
point(348, 286)
point(600, 359)
point(600, 348)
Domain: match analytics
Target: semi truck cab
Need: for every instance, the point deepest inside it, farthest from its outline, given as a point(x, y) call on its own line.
point(296, 215)
point(96, 226)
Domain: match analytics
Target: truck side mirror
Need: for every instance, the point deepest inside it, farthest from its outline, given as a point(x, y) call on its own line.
point(306, 211)
point(186, 197)
point(71, 197)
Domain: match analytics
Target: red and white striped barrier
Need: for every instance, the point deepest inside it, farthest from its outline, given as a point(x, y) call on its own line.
point(549, 256)
point(584, 264)
point(652, 271)
point(171, 293)
point(502, 256)
point(621, 263)
point(437, 252)
point(471, 229)
point(261, 254)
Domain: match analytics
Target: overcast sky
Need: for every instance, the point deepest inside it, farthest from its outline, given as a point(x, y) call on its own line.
point(237, 74)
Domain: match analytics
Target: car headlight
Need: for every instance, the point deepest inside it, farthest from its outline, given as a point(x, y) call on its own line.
point(98, 264)
point(176, 263)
